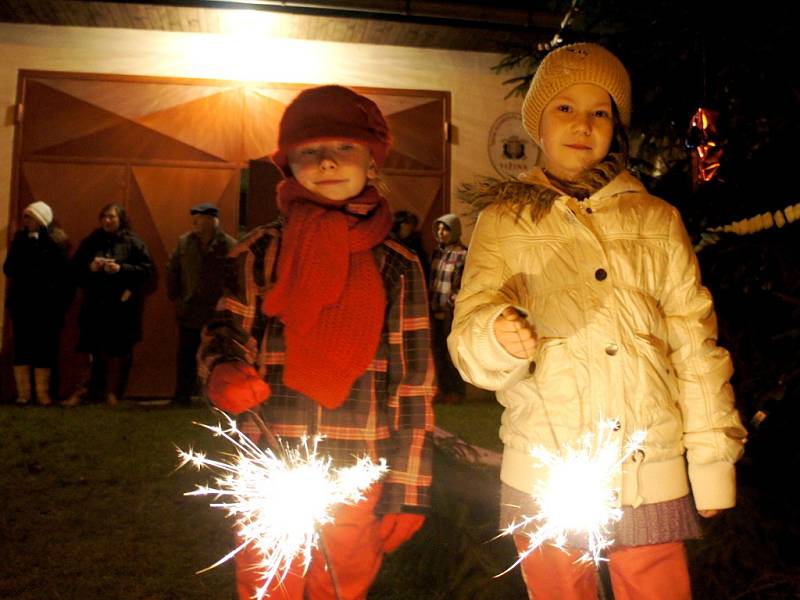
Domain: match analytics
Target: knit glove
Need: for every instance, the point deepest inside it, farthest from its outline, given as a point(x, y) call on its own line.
point(235, 387)
point(397, 528)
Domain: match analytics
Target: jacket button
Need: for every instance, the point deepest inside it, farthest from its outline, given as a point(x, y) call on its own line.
point(600, 274)
point(612, 349)
point(532, 367)
point(617, 425)
point(589, 209)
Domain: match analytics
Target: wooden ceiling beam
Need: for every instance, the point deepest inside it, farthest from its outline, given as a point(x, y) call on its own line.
point(480, 27)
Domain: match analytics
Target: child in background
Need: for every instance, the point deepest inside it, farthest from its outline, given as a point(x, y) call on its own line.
point(323, 329)
point(581, 300)
point(405, 230)
point(447, 266)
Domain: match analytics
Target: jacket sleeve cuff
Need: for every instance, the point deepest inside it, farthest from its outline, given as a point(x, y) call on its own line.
point(495, 356)
point(713, 485)
point(481, 359)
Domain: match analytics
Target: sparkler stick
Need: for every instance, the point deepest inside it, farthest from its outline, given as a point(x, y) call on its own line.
point(273, 443)
point(576, 497)
point(279, 497)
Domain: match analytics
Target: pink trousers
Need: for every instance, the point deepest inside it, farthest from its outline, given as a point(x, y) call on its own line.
point(655, 572)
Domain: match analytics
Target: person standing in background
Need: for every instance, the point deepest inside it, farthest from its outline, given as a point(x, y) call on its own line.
point(195, 278)
point(39, 294)
point(447, 265)
point(405, 230)
point(112, 265)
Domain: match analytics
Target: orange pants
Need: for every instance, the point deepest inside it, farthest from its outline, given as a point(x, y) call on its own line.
point(355, 552)
point(655, 572)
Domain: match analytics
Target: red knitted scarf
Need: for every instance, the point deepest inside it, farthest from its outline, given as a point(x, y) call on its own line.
point(328, 293)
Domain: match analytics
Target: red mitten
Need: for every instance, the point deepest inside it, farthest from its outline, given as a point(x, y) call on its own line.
point(397, 528)
point(235, 387)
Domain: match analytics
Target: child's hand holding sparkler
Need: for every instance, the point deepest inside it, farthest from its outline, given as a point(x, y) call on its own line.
point(236, 387)
point(515, 334)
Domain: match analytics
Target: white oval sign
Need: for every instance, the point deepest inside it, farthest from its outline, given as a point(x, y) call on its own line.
point(511, 151)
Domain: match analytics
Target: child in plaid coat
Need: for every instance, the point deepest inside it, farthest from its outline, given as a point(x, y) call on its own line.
point(323, 329)
point(447, 265)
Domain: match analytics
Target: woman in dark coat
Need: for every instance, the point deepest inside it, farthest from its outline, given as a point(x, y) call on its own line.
point(39, 293)
point(112, 265)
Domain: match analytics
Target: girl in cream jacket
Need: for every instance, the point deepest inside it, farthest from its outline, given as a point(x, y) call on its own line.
point(581, 302)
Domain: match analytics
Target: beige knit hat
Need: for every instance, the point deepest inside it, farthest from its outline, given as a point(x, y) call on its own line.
point(40, 211)
point(568, 65)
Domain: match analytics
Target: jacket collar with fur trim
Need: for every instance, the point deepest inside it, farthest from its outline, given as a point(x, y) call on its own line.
point(623, 183)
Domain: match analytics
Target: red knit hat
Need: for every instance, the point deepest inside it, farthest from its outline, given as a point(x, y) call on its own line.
point(332, 112)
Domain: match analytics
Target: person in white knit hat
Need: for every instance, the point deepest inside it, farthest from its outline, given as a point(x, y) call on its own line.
point(39, 293)
point(581, 306)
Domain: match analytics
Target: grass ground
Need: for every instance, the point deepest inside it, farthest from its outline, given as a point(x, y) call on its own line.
point(93, 508)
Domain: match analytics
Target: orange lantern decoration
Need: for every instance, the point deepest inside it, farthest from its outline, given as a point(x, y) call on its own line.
point(702, 140)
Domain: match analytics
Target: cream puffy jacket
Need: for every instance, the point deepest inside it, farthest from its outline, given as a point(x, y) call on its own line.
point(626, 332)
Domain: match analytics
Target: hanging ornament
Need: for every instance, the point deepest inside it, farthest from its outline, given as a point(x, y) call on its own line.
point(706, 150)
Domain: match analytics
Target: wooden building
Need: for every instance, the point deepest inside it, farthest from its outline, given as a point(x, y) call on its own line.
point(159, 106)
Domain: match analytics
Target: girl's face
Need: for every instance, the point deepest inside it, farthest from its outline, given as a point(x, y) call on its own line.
point(576, 130)
point(109, 220)
point(334, 169)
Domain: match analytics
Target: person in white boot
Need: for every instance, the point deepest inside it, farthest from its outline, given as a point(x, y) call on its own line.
point(38, 296)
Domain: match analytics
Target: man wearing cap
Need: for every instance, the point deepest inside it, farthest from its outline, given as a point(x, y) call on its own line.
point(195, 275)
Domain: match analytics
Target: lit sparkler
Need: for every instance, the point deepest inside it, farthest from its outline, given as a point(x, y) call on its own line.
point(279, 501)
point(576, 498)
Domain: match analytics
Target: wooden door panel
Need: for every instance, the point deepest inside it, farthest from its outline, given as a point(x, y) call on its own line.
point(418, 143)
point(159, 203)
point(52, 117)
point(169, 192)
point(262, 115)
point(211, 124)
point(131, 98)
point(128, 141)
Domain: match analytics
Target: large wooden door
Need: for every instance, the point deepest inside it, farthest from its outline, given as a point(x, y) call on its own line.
point(158, 146)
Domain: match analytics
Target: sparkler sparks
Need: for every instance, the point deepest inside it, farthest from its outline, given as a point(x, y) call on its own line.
point(576, 498)
point(279, 501)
